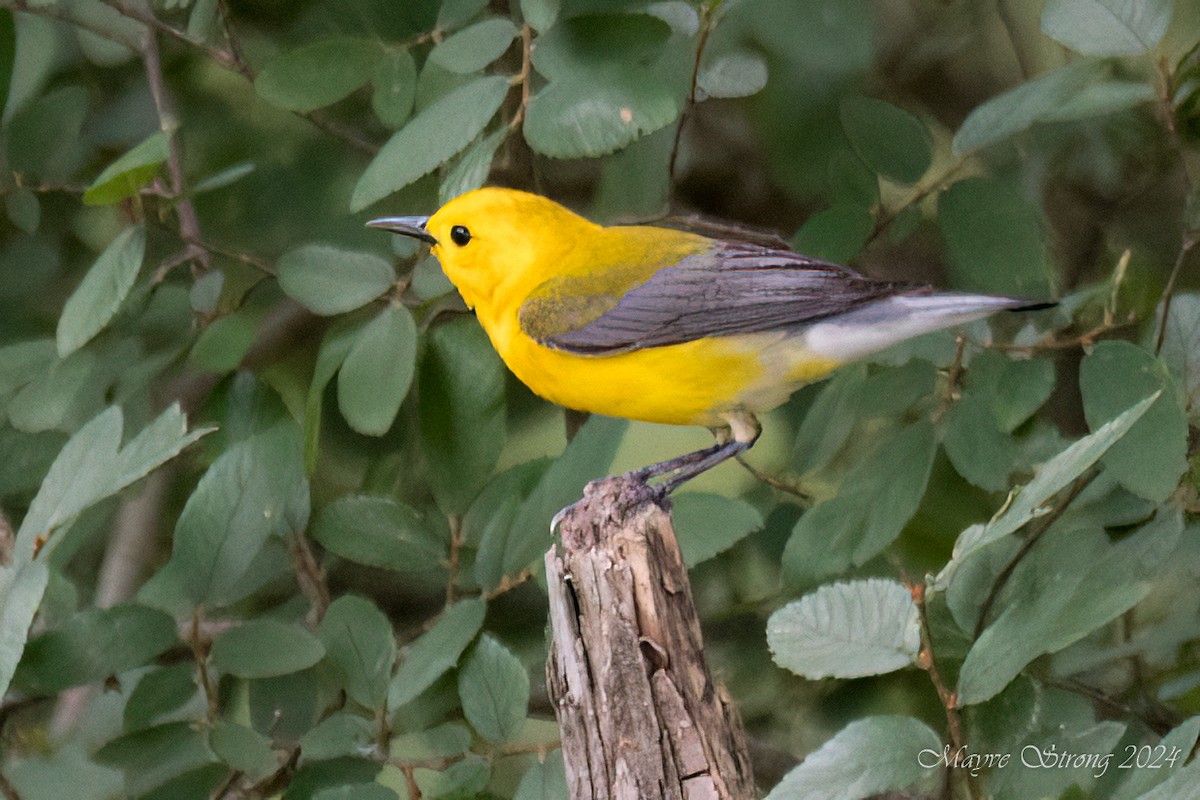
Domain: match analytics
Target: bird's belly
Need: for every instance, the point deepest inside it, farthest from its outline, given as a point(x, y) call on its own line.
point(691, 383)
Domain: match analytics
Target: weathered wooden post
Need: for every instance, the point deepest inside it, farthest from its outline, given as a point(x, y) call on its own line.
point(641, 717)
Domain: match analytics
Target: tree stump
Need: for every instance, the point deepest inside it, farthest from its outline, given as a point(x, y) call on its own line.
point(641, 717)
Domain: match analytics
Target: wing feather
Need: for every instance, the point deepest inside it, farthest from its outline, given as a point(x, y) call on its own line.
point(733, 288)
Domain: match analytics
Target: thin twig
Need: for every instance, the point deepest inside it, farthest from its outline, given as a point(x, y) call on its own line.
point(948, 698)
point(1190, 238)
point(60, 14)
point(928, 187)
point(311, 577)
point(522, 78)
point(507, 584)
point(1052, 342)
point(775, 483)
point(7, 789)
point(706, 25)
point(201, 646)
point(456, 543)
point(1032, 539)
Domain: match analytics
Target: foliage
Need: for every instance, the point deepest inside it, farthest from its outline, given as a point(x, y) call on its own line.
point(325, 584)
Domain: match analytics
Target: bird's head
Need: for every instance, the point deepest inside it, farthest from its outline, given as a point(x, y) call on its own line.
point(493, 241)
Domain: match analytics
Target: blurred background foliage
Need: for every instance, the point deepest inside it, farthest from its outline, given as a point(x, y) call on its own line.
point(333, 592)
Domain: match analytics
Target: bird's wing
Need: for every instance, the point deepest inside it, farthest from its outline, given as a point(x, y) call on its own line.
point(732, 288)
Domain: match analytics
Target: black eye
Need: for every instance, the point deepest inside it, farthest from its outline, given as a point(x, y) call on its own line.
point(460, 235)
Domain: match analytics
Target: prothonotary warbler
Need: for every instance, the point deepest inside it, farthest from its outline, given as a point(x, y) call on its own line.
point(664, 325)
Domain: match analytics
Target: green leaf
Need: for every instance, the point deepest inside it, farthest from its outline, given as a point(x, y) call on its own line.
point(285, 707)
point(43, 137)
point(1051, 478)
point(265, 648)
point(474, 47)
point(98, 297)
point(993, 239)
point(585, 43)
point(830, 419)
point(737, 73)
point(318, 74)
point(1019, 108)
point(152, 756)
point(708, 524)
point(587, 457)
point(357, 791)
point(462, 411)
point(57, 396)
point(494, 689)
point(488, 522)
point(431, 138)
point(877, 498)
point(471, 171)
point(377, 531)
point(94, 644)
point(436, 651)
point(891, 141)
point(1100, 99)
point(1150, 460)
point(546, 780)
point(378, 371)
point(128, 174)
point(21, 361)
point(847, 630)
point(455, 13)
point(24, 209)
point(1182, 738)
point(1180, 349)
point(586, 115)
point(1107, 27)
point(224, 342)
point(395, 83)
point(850, 182)
point(22, 586)
point(836, 234)
point(1015, 389)
point(158, 694)
point(243, 749)
point(979, 450)
point(870, 756)
point(246, 496)
point(443, 741)
point(339, 734)
point(540, 14)
point(1052, 603)
point(329, 280)
point(335, 346)
point(359, 642)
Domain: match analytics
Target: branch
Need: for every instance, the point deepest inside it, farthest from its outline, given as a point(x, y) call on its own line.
point(926, 188)
point(311, 577)
point(706, 26)
point(522, 78)
point(456, 543)
point(777, 484)
point(201, 647)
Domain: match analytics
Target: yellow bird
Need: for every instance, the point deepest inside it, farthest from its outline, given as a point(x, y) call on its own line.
point(664, 325)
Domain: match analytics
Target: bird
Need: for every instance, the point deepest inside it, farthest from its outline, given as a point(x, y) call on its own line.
point(663, 325)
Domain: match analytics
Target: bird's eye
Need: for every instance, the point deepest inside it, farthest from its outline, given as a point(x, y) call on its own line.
point(460, 235)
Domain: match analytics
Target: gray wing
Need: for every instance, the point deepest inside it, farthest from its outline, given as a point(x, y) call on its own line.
point(734, 288)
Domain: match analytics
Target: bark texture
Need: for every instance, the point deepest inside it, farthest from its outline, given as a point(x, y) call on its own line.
point(640, 714)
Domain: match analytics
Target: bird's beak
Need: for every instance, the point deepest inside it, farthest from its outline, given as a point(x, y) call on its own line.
point(405, 226)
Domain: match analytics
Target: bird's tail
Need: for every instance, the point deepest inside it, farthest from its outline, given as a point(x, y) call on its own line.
point(888, 321)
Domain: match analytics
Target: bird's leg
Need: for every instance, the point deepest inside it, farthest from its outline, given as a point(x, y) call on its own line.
point(736, 437)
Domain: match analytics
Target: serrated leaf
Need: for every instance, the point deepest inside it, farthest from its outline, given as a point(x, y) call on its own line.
point(868, 757)
point(359, 641)
point(846, 630)
point(1150, 460)
point(733, 74)
point(708, 524)
point(474, 47)
point(1052, 603)
point(494, 689)
point(890, 140)
point(876, 499)
point(1107, 27)
point(329, 280)
point(98, 297)
point(129, 173)
point(437, 651)
point(431, 138)
point(1051, 478)
point(317, 74)
point(462, 411)
point(378, 370)
point(266, 648)
point(378, 531)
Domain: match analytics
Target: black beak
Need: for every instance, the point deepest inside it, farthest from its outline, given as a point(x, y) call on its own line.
point(405, 226)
